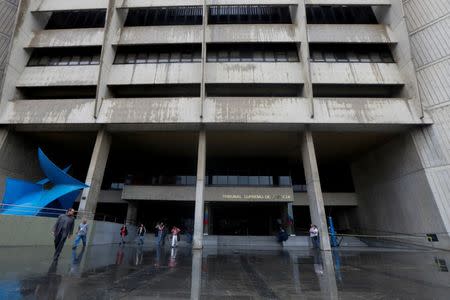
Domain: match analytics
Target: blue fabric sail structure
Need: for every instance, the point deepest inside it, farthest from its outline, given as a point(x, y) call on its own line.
point(32, 199)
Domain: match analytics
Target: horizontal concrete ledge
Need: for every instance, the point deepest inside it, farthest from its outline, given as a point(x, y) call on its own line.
point(67, 38)
point(222, 194)
point(121, 4)
point(252, 33)
point(349, 2)
point(329, 199)
point(56, 5)
point(163, 73)
point(59, 76)
point(265, 72)
point(61, 111)
point(350, 33)
point(158, 35)
point(356, 73)
point(251, 2)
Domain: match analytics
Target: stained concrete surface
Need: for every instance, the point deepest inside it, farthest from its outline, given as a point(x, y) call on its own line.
point(131, 272)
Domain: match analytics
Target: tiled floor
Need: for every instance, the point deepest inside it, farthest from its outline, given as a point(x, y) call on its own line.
point(131, 272)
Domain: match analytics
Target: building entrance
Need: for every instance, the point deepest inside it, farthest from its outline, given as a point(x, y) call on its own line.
point(245, 218)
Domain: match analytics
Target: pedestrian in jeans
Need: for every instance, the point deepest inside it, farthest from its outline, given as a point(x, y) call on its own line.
point(62, 230)
point(175, 231)
point(160, 227)
point(81, 234)
point(314, 235)
point(141, 234)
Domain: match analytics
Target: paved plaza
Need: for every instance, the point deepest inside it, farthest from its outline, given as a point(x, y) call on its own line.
point(131, 272)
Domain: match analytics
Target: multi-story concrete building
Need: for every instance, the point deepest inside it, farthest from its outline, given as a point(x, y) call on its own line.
point(234, 114)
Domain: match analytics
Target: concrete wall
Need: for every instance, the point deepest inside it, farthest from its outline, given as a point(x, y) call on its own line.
point(428, 24)
point(8, 11)
point(18, 159)
point(329, 199)
point(394, 194)
point(36, 231)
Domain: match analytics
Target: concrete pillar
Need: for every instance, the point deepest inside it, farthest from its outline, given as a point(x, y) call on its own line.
point(132, 213)
point(314, 190)
point(199, 190)
point(196, 275)
point(94, 178)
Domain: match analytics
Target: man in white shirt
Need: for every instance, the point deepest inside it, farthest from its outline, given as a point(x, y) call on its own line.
point(81, 234)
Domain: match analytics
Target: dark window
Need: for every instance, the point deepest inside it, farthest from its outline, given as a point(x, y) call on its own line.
point(252, 52)
point(184, 15)
point(76, 19)
point(65, 56)
point(249, 14)
point(340, 15)
point(367, 53)
point(158, 54)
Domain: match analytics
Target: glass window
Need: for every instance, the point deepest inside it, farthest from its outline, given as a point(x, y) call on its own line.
point(223, 56)
point(375, 57)
point(280, 56)
point(222, 180)
point(386, 57)
point(341, 56)
point(164, 57)
point(131, 58)
point(175, 57)
point(246, 55)
point(180, 180)
point(44, 61)
point(232, 180)
point(284, 180)
point(317, 55)
point(190, 180)
point(253, 180)
point(64, 61)
point(293, 56)
point(269, 56)
point(141, 58)
point(265, 180)
point(212, 56)
point(243, 180)
point(34, 61)
point(364, 57)
point(120, 58)
point(258, 56)
point(152, 58)
point(53, 61)
point(234, 56)
point(85, 60)
point(95, 60)
point(75, 60)
point(197, 56)
point(352, 57)
point(329, 56)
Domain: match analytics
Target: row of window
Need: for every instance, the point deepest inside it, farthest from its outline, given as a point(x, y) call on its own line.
point(340, 53)
point(65, 57)
point(76, 19)
point(340, 15)
point(187, 15)
point(227, 14)
point(155, 57)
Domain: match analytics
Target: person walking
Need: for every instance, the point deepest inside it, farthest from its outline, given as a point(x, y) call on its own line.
point(141, 234)
point(81, 234)
point(123, 234)
point(160, 228)
point(62, 230)
point(175, 231)
point(314, 235)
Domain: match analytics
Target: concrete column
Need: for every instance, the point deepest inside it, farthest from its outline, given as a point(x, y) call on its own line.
point(199, 190)
point(94, 178)
point(196, 274)
point(314, 190)
point(131, 212)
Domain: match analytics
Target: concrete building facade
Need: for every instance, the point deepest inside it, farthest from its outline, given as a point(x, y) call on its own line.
point(228, 117)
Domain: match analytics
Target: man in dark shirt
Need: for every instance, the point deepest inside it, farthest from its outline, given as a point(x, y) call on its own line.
point(62, 230)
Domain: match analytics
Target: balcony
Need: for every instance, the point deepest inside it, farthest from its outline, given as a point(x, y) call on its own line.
point(67, 38)
point(159, 35)
point(356, 73)
point(59, 76)
point(350, 33)
point(252, 72)
point(252, 33)
point(160, 73)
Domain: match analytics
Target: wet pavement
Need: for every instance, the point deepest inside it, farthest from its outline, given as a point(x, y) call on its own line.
point(131, 272)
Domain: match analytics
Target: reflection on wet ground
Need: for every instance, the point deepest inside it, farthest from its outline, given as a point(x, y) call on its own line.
point(132, 272)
